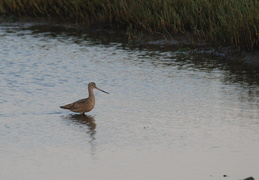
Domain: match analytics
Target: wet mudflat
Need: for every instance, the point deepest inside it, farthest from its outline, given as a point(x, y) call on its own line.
point(169, 114)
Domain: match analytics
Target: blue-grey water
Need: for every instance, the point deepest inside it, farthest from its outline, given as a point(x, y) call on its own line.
point(170, 114)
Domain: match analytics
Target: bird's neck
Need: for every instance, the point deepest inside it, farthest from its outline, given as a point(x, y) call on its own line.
point(91, 93)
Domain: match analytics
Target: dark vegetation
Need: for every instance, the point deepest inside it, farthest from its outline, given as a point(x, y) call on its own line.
point(217, 22)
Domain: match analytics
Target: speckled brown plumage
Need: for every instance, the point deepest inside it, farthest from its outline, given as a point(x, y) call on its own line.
point(84, 105)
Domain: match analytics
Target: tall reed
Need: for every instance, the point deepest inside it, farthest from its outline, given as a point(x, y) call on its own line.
point(220, 22)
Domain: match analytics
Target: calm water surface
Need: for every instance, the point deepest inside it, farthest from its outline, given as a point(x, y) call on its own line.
point(169, 114)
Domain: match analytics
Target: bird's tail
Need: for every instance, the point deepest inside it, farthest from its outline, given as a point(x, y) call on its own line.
point(63, 107)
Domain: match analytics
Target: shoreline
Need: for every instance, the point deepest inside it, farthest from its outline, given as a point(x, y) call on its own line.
point(221, 23)
point(183, 42)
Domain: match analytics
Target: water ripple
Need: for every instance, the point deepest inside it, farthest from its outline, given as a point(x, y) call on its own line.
point(160, 101)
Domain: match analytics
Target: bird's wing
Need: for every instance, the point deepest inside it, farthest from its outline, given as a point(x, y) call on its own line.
point(75, 105)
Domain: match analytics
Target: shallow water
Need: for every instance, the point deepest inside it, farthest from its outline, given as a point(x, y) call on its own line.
point(169, 115)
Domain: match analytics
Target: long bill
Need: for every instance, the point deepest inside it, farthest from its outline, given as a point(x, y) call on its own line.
point(102, 90)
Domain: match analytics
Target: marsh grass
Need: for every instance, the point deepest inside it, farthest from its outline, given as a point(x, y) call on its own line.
point(218, 22)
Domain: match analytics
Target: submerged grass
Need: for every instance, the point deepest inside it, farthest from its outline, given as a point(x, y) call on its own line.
point(220, 22)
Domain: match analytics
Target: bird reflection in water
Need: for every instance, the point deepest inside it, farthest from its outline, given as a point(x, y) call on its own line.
point(87, 120)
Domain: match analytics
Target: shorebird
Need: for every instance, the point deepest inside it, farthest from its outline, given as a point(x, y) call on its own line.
point(84, 105)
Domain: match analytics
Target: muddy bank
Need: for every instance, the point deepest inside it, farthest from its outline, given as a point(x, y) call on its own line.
point(188, 44)
point(251, 59)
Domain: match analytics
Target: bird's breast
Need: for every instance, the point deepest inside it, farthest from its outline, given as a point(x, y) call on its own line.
point(89, 105)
